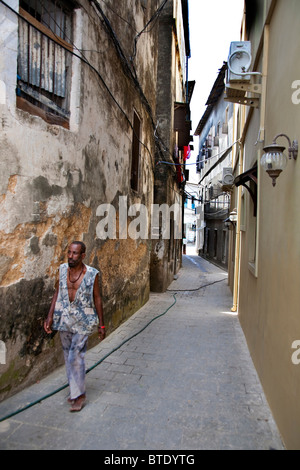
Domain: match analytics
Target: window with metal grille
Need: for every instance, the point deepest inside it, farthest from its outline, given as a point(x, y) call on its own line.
point(44, 59)
point(135, 154)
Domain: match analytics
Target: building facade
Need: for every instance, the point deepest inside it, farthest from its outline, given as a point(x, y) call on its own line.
point(79, 143)
point(173, 98)
point(214, 166)
point(266, 263)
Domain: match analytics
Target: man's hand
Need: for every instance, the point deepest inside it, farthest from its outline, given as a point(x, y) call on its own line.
point(47, 325)
point(49, 320)
point(101, 333)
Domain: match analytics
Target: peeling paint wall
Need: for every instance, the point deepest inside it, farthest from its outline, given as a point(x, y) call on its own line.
point(166, 254)
point(52, 179)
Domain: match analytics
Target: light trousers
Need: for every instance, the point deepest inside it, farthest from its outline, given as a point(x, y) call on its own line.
point(74, 347)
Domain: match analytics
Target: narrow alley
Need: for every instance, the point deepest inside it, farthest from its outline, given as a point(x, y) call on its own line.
point(177, 375)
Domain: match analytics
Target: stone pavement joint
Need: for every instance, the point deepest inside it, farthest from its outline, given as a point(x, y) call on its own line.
point(185, 382)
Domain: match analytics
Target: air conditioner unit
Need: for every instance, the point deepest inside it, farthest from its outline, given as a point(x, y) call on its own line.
point(239, 62)
point(239, 77)
point(228, 177)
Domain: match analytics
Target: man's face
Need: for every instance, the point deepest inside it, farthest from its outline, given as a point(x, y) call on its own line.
point(75, 256)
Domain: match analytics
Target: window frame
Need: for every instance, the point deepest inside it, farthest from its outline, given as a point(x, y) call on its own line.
point(135, 152)
point(35, 99)
point(253, 225)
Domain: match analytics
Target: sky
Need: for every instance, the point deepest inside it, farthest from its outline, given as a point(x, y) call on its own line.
point(214, 24)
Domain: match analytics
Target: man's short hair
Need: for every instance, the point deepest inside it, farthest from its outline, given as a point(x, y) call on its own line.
point(83, 247)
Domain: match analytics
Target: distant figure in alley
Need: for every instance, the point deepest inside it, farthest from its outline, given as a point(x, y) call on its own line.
point(75, 310)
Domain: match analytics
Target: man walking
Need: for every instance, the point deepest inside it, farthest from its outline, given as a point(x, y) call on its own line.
point(75, 309)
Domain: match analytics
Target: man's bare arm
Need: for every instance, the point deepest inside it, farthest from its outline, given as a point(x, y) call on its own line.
point(49, 320)
point(99, 308)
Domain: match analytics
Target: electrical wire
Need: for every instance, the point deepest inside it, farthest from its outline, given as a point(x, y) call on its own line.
point(125, 64)
point(154, 16)
point(129, 70)
point(131, 73)
point(197, 288)
point(81, 57)
point(54, 392)
point(84, 60)
point(119, 16)
point(217, 212)
point(160, 145)
point(200, 161)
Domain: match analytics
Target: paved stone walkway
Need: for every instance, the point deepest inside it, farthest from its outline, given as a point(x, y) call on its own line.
point(186, 382)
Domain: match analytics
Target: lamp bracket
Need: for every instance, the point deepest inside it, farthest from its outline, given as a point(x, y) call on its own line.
point(293, 147)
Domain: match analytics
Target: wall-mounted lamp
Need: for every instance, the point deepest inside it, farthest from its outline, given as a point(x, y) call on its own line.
point(274, 160)
point(233, 216)
point(231, 220)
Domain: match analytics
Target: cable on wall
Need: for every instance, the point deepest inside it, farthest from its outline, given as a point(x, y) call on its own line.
point(161, 147)
point(154, 16)
point(85, 61)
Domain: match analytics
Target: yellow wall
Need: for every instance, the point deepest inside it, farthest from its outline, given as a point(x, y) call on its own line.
point(269, 304)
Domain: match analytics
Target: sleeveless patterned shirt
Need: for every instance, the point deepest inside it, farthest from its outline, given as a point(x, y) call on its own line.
point(79, 316)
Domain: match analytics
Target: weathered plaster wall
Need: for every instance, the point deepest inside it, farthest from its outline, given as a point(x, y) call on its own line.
point(52, 180)
point(166, 253)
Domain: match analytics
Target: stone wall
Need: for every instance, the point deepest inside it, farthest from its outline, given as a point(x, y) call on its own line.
point(53, 179)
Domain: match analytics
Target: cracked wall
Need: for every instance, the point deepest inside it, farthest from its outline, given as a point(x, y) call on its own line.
point(52, 180)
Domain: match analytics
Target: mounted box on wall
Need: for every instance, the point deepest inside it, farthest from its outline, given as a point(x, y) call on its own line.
point(239, 77)
point(239, 62)
point(228, 177)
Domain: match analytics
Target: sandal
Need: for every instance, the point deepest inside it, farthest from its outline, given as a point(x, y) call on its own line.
point(78, 404)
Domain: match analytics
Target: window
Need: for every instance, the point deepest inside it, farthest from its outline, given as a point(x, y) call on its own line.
point(135, 156)
point(225, 123)
point(171, 240)
point(243, 212)
point(249, 213)
point(224, 246)
point(252, 230)
point(44, 59)
point(215, 247)
point(206, 241)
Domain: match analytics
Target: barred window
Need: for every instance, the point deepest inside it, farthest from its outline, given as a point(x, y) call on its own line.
point(44, 59)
